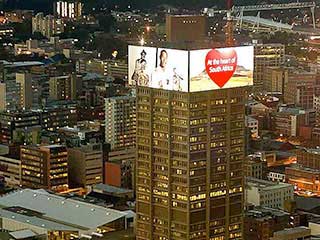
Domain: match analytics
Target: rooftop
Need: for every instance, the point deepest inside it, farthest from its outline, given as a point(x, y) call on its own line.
point(264, 185)
point(51, 211)
point(104, 188)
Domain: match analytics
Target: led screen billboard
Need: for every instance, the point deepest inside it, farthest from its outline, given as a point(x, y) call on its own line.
point(191, 71)
point(142, 61)
point(158, 68)
point(221, 68)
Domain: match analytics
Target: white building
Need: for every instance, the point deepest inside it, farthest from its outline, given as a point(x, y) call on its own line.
point(268, 194)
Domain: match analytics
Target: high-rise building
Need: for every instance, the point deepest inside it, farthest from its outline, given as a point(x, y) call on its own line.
point(178, 28)
point(120, 121)
point(67, 87)
point(25, 82)
point(69, 9)
point(190, 155)
point(85, 165)
point(266, 55)
point(120, 133)
point(44, 167)
point(48, 25)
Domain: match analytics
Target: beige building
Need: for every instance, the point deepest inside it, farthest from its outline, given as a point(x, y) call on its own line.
point(268, 194)
point(85, 166)
point(179, 27)
point(44, 167)
point(300, 87)
point(276, 78)
point(25, 82)
point(190, 161)
point(266, 55)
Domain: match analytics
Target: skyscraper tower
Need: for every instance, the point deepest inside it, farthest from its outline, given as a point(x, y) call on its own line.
point(189, 166)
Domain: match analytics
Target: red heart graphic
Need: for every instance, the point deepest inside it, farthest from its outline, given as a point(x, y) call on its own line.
point(220, 66)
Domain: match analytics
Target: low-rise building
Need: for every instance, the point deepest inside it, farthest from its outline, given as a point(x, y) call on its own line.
point(309, 158)
point(255, 167)
point(260, 222)
point(277, 174)
point(301, 232)
point(268, 194)
point(57, 217)
point(304, 179)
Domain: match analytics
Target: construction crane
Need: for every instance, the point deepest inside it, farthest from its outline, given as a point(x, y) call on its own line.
point(229, 26)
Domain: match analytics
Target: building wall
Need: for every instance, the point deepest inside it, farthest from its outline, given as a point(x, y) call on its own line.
point(112, 174)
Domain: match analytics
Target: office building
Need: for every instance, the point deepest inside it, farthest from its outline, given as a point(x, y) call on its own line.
point(66, 87)
point(56, 116)
point(189, 182)
point(48, 25)
point(85, 165)
point(9, 86)
point(275, 79)
point(25, 83)
point(44, 167)
point(68, 9)
point(288, 121)
point(266, 55)
point(20, 127)
point(268, 194)
point(300, 88)
point(178, 28)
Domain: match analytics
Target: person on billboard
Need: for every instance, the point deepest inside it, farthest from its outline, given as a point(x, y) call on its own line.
point(139, 76)
point(162, 77)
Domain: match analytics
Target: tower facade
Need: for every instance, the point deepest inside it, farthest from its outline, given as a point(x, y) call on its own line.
point(189, 167)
